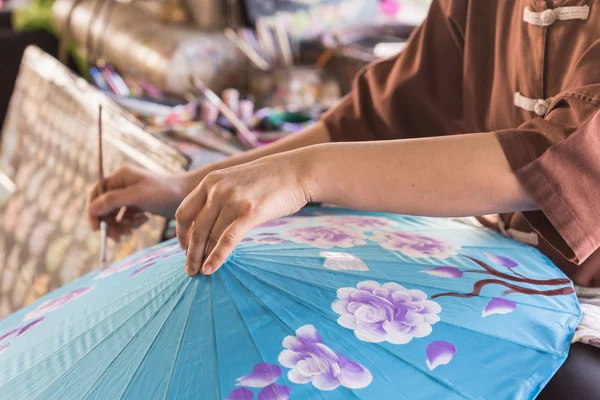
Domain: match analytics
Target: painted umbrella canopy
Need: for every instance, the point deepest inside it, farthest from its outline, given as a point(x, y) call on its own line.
point(326, 304)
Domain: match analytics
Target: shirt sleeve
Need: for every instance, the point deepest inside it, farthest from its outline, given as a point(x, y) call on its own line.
point(415, 94)
point(557, 159)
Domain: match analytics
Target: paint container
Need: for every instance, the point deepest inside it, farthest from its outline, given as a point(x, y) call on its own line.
point(231, 98)
point(246, 111)
point(208, 113)
point(298, 87)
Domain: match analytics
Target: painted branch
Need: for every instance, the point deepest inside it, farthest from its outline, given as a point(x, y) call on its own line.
point(522, 279)
point(513, 289)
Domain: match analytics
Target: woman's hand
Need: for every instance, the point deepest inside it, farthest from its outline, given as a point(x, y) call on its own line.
point(228, 203)
point(141, 191)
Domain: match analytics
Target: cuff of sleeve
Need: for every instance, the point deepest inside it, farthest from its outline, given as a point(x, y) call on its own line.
point(556, 222)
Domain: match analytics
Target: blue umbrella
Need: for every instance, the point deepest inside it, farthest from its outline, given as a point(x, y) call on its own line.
point(326, 304)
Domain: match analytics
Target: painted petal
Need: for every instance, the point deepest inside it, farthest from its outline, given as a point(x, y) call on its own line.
point(240, 394)
point(326, 381)
point(421, 330)
point(499, 305)
point(3, 347)
point(372, 336)
point(345, 293)
point(29, 326)
point(309, 334)
point(394, 287)
point(368, 286)
point(439, 353)
point(246, 240)
point(296, 377)
point(431, 307)
point(398, 338)
point(262, 375)
point(336, 261)
point(289, 359)
point(353, 375)
point(444, 272)
point(9, 333)
point(347, 321)
point(501, 260)
point(275, 392)
point(417, 295)
point(341, 307)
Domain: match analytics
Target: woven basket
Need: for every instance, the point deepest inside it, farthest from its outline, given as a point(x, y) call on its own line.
point(49, 150)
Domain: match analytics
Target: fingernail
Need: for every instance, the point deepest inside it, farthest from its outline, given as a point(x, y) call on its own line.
point(189, 270)
point(207, 269)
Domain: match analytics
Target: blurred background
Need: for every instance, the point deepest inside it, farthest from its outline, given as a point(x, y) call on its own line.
point(183, 83)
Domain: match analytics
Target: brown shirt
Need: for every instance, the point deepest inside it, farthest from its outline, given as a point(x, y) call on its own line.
point(527, 70)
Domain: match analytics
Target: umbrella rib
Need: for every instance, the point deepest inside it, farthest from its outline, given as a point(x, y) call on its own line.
point(179, 346)
point(245, 268)
point(124, 347)
point(82, 333)
point(102, 341)
point(214, 334)
point(328, 318)
point(373, 276)
point(151, 343)
point(245, 326)
point(274, 315)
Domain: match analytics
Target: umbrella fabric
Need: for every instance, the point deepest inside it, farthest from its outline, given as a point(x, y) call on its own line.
point(326, 304)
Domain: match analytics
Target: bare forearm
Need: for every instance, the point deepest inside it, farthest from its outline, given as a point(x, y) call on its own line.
point(314, 134)
point(459, 175)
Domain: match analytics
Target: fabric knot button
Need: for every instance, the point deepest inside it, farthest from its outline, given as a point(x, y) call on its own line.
point(548, 17)
point(541, 108)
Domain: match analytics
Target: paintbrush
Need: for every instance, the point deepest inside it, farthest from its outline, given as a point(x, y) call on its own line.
point(248, 51)
point(101, 189)
point(246, 136)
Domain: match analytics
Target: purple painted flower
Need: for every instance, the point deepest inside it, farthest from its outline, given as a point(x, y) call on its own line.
point(276, 223)
point(444, 272)
point(360, 222)
point(439, 353)
point(389, 313)
point(147, 260)
point(29, 326)
point(263, 374)
point(415, 245)
point(3, 348)
point(337, 261)
point(55, 304)
point(501, 260)
point(270, 240)
point(275, 392)
point(311, 361)
point(326, 237)
point(498, 305)
point(247, 239)
point(240, 394)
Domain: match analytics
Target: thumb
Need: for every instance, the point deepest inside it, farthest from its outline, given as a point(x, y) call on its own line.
point(113, 200)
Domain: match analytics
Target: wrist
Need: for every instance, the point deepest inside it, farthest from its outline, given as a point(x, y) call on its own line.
point(311, 176)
